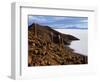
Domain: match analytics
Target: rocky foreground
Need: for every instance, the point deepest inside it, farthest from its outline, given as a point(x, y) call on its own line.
point(49, 47)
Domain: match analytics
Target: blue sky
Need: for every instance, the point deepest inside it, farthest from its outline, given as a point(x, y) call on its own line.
point(60, 22)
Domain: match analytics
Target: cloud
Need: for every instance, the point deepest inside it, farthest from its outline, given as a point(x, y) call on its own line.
point(59, 18)
point(36, 19)
point(59, 22)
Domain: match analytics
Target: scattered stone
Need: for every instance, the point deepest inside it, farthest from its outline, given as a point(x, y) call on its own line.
point(49, 47)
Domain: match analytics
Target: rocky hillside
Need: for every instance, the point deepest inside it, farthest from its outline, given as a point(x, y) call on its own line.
point(49, 47)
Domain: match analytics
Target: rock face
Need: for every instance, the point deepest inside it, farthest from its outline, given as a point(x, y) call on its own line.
point(49, 47)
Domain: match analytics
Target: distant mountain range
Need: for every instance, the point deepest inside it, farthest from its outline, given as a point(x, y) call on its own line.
point(68, 28)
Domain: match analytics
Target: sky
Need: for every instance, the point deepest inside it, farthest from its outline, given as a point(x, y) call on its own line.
point(60, 22)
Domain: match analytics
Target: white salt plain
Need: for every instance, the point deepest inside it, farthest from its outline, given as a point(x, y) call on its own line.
point(80, 46)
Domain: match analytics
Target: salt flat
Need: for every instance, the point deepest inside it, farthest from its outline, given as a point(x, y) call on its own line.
point(80, 46)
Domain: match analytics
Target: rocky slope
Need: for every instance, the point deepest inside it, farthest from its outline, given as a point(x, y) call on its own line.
point(49, 47)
